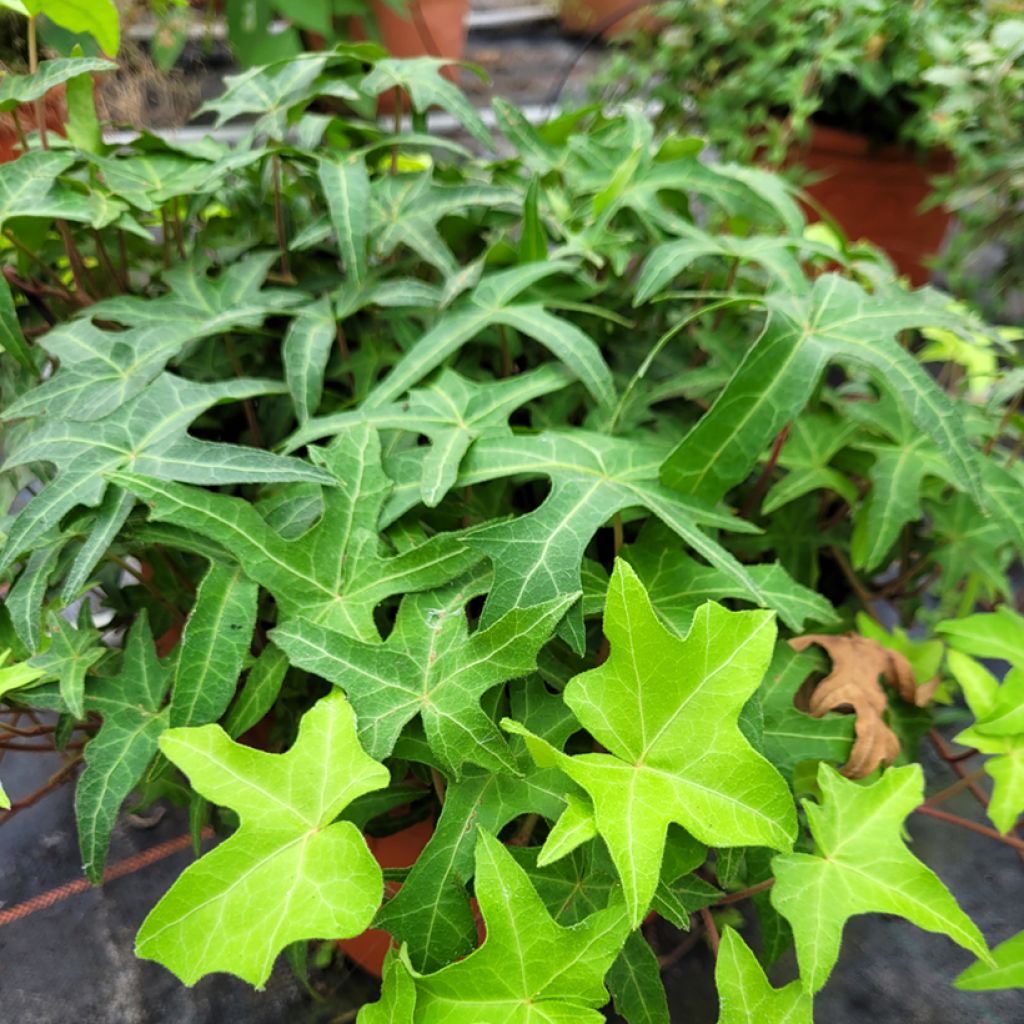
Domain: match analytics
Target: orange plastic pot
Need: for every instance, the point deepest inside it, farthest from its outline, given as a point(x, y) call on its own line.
point(398, 850)
point(54, 106)
point(876, 192)
point(621, 17)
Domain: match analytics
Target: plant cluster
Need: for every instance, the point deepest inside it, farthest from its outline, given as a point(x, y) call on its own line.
point(492, 489)
point(934, 77)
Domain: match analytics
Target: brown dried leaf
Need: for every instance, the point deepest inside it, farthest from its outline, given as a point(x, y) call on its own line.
point(858, 665)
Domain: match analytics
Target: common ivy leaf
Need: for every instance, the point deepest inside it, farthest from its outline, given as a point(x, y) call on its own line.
point(1005, 971)
point(431, 913)
point(996, 731)
point(18, 89)
point(18, 676)
point(745, 994)
point(30, 187)
point(431, 666)
point(790, 736)
point(117, 755)
point(677, 585)
point(406, 209)
point(421, 80)
point(452, 411)
point(290, 872)
point(306, 350)
point(529, 968)
point(214, 645)
point(585, 882)
point(337, 572)
point(495, 301)
point(813, 440)
point(775, 254)
point(269, 92)
point(965, 543)
point(862, 866)
point(836, 320)
point(998, 634)
point(902, 463)
point(69, 655)
point(666, 709)
point(537, 556)
point(148, 435)
point(203, 303)
point(99, 370)
point(98, 18)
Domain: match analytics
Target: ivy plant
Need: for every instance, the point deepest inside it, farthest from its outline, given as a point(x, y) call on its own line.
point(550, 489)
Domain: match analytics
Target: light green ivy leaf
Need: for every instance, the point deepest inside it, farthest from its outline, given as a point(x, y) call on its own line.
point(1005, 971)
point(745, 995)
point(290, 872)
point(666, 709)
point(529, 968)
point(862, 866)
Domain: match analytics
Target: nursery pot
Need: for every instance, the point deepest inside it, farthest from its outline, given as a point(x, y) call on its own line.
point(398, 850)
point(620, 17)
point(426, 28)
point(875, 192)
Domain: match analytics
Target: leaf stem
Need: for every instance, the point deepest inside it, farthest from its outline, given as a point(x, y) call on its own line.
point(753, 502)
point(282, 238)
point(744, 894)
point(964, 782)
point(712, 929)
point(972, 826)
point(655, 351)
point(52, 783)
point(866, 597)
point(247, 406)
point(439, 785)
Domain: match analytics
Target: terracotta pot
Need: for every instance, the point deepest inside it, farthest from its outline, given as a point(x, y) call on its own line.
point(55, 112)
point(428, 28)
point(398, 850)
point(875, 192)
point(587, 16)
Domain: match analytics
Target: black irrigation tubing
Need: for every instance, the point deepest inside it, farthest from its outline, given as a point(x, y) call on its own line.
point(595, 34)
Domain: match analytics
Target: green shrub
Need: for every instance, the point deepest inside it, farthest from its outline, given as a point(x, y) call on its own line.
point(492, 487)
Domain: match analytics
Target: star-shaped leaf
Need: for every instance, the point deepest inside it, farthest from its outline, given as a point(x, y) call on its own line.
point(836, 320)
point(148, 435)
point(431, 666)
point(452, 411)
point(812, 441)
point(746, 996)
point(30, 187)
point(290, 872)
point(537, 556)
point(677, 584)
point(68, 656)
point(18, 89)
point(496, 301)
point(862, 866)
point(337, 572)
point(431, 913)
point(998, 730)
point(205, 303)
point(903, 461)
point(529, 968)
point(666, 709)
point(117, 755)
point(1005, 971)
point(421, 80)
